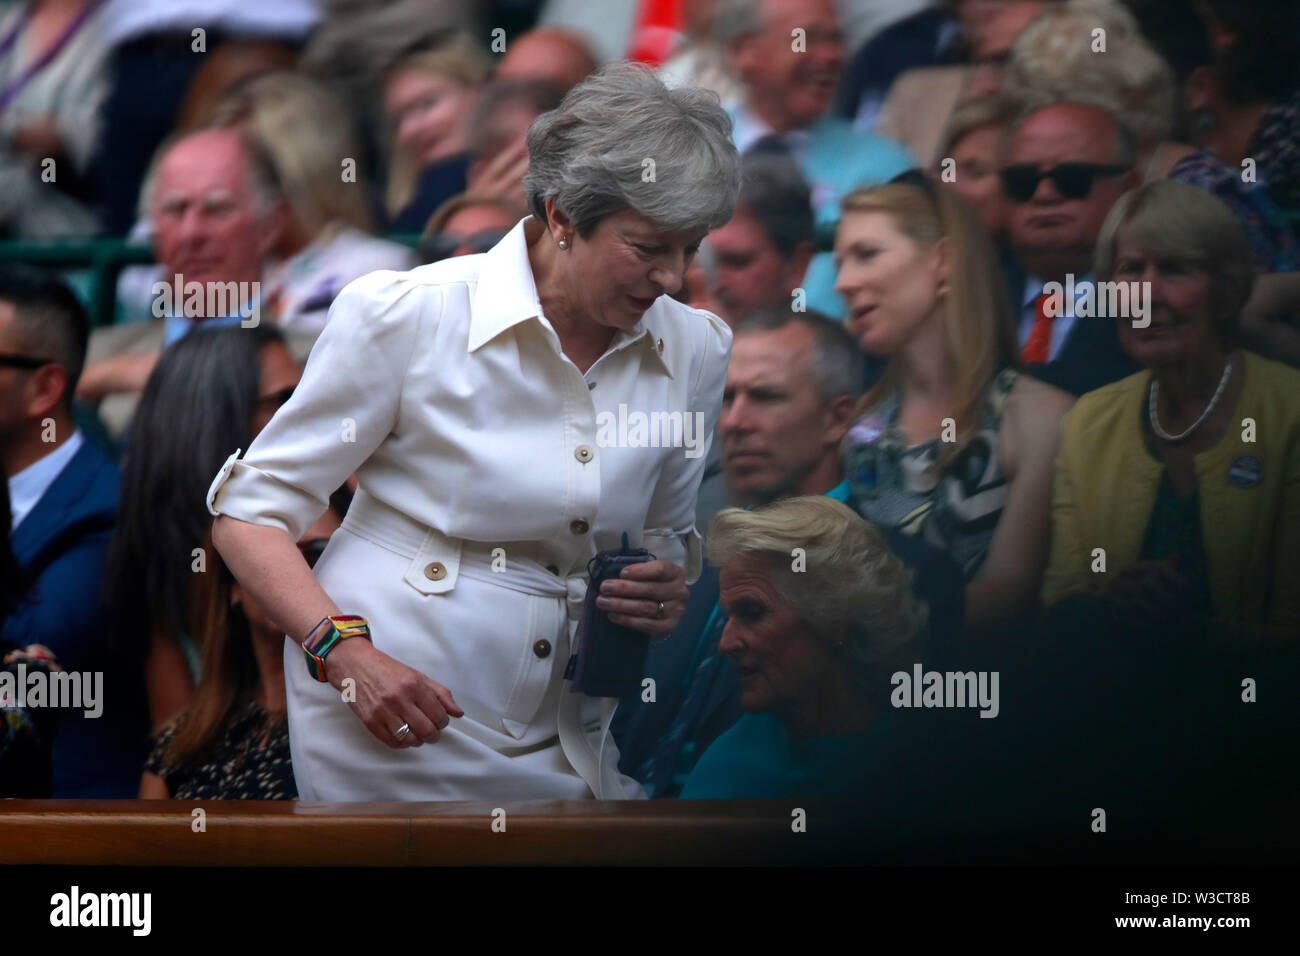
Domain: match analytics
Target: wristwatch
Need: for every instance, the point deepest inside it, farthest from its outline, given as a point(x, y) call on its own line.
point(326, 636)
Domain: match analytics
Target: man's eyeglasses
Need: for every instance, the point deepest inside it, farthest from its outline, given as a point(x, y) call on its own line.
point(1072, 180)
point(23, 361)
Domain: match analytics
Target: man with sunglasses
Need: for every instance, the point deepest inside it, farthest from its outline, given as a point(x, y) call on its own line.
point(1064, 166)
point(63, 493)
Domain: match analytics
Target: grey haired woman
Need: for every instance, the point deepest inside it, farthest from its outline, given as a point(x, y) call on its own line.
point(476, 399)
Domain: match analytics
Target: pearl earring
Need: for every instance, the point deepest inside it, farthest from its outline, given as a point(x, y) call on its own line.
point(564, 243)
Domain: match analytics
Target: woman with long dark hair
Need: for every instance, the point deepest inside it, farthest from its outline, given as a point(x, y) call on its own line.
point(210, 389)
point(232, 740)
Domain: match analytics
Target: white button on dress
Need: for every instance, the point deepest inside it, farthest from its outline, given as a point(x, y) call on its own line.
point(485, 465)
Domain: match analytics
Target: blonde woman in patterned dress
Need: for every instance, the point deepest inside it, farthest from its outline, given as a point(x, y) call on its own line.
point(954, 445)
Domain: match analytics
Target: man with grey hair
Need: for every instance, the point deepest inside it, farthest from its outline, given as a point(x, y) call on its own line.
point(788, 55)
point(759, 258)
point(216, 212)
point(792, 392)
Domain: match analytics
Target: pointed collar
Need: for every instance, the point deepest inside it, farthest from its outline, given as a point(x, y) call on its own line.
point(506, 295)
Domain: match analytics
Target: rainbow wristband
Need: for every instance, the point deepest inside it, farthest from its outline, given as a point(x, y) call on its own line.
point(326, 635)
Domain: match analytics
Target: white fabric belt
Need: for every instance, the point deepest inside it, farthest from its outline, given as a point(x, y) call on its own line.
point(518, 569)
point(511, 565)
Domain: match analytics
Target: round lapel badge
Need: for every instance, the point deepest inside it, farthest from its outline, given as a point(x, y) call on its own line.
point(1246, 471)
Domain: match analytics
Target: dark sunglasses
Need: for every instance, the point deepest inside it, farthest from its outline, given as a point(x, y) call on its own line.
point(441, 245)
point(313, 549)
point(1072, 180)
point(23, 361)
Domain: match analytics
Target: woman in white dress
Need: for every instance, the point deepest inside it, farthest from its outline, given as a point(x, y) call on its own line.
point(507, 416)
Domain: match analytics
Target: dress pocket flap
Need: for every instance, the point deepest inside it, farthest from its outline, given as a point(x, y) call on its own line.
point(436, 566)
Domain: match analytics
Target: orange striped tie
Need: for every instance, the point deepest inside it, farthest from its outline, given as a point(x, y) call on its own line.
point(1038, 346)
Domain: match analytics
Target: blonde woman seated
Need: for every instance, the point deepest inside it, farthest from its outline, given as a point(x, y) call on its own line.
point(1184, 479)
point(327, 237)
point(816, 648)
point(953, 445)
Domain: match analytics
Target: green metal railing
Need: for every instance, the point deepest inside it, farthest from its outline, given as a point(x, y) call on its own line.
point(92, 266)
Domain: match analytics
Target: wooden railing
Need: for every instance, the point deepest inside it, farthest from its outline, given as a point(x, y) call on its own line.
point(251, 833)
point(143, 833)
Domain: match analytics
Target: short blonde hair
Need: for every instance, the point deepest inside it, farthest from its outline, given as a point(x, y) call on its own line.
point(996, 110)
point(851, 584)
point(307, 136)
point(1052, 60)
point(1177, 221)
point(458, 57)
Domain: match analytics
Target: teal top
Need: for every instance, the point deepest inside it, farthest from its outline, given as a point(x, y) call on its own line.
point(840, 492)
point(756, 760)
point(191, 653)
point(687, 756)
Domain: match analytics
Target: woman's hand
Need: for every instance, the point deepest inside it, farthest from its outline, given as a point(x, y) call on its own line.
point(502, 177)
point(1149, 590)
point(389, 694)
point(632, 599)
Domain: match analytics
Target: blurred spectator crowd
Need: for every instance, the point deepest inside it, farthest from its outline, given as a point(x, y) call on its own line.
point(933, 191)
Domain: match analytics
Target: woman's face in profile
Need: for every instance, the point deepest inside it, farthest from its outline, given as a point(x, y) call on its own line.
point(782, 663)
point(975, 156)
point(1180, 321)
point(627, 262)
point(428, 113)
point(888, 281)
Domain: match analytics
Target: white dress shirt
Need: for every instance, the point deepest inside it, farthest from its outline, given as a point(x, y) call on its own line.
point(1061, 324)
point(484, 491)
point(27, 487)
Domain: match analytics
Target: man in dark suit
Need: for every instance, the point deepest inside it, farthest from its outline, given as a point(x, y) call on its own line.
point(792, 389)
point(1063, 167)
point(63, 498)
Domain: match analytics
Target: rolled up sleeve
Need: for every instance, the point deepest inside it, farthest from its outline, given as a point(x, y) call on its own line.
point(344, 408)
point(670, 532)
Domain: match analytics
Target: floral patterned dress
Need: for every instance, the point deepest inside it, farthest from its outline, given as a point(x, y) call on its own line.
point(250, 761)
point(893, 485)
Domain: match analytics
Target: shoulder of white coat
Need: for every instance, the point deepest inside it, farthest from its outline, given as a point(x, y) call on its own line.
point(700, 337)
point(388, 297)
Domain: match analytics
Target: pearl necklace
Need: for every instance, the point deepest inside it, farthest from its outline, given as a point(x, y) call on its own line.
point(1155, 420)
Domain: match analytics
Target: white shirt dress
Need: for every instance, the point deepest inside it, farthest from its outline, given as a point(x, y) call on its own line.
point(491, 471)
